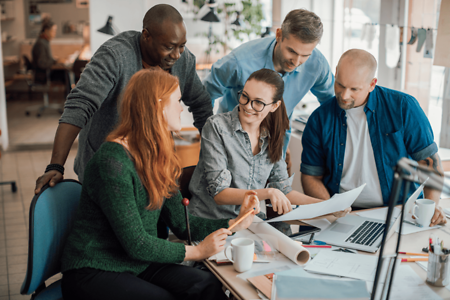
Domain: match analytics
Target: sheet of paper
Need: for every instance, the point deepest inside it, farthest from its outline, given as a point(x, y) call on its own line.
point(408, 228)
point(295, 282)
point(336, 203)
point(408, 285)
point(356, 266)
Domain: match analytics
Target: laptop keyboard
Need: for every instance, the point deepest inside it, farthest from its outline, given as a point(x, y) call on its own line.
point(367, 233)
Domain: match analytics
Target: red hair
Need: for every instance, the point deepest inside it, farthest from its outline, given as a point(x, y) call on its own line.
point(143, 127)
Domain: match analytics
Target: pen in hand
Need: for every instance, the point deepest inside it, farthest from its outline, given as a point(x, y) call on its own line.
point(240, 220)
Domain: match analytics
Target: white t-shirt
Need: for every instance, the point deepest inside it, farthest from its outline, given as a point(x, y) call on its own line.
point(359, 161)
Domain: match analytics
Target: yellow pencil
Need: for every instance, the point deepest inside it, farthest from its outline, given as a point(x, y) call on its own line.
point(240, 220)
point(415, 254)
point(415, 259)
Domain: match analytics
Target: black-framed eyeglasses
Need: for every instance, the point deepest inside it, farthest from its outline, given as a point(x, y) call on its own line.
point(257, 105)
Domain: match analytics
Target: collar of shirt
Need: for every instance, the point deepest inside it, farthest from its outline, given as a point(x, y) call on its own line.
point(236, 124)
point(371, 102)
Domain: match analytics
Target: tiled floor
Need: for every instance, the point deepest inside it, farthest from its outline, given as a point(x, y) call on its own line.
point(23, 167)
point(31, 132)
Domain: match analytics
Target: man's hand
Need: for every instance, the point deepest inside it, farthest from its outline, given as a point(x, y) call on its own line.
point(51, 177)
point(288, 162)
point(438, 217)
point(342, 213)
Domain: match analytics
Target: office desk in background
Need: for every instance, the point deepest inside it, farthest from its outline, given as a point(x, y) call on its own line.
point(242, 289)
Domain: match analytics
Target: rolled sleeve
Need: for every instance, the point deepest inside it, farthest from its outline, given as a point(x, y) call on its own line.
point(425, 153)
point(283, 185)
point(312, 170)
point(219, 183)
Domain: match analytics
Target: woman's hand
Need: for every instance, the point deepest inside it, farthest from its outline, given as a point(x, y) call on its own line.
point(342, 213)
point(251, 203)
point(280, 203)
point(212, 244)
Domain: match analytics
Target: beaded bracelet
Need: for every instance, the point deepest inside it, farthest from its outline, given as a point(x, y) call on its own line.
point(56, 167)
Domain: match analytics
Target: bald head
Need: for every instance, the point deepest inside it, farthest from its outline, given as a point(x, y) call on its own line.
point(361, 60)
point(156, 16)
point(354, 78)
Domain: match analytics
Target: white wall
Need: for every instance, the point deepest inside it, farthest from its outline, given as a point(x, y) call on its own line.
point(127, 15)
point(3, 121)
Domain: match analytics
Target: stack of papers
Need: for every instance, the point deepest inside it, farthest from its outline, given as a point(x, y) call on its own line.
point(299, 284)
point(357, 266)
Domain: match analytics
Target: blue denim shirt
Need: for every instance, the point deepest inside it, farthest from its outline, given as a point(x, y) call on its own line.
point(227, 161)
point(398, 128)
point(229, 74)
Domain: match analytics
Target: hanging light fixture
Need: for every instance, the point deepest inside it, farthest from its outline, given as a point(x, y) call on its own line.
point(211, 16)
point(237, 22)
point(108, 28)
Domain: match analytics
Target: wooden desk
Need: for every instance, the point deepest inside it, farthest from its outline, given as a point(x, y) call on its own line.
point(409, 243)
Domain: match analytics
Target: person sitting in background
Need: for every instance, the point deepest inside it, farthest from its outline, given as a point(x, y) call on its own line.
point(42, 58)
point(358, 136)
point(242, 150)
point(113, 251)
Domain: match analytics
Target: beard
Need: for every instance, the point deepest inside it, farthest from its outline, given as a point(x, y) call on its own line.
point(350, 103)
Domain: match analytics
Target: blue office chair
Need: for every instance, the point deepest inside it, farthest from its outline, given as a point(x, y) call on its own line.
point(52, 213)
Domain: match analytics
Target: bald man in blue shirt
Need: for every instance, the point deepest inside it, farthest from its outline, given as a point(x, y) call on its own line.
point(358, 136)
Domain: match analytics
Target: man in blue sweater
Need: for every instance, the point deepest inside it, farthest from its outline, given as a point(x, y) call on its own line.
point(358, 136)
point(91, 107)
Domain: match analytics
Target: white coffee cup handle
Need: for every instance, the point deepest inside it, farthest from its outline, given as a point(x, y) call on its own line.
point(228, 249)
point(414, 212)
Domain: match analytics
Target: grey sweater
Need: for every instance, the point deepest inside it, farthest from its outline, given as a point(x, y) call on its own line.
point(92, 104)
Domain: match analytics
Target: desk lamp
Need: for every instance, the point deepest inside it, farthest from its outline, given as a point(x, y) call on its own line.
point(108, 28)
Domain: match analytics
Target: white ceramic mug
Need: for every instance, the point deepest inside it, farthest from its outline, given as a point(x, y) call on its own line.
point(240, 253)
point(423, 211)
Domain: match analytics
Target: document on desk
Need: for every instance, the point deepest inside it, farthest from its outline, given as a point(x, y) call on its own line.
point(336, 203)
point(357, 266)
point(299, 284)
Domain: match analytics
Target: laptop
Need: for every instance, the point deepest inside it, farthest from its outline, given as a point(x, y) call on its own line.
point(362, 233)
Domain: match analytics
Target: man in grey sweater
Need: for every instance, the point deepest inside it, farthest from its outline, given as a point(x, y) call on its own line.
point(91, 107)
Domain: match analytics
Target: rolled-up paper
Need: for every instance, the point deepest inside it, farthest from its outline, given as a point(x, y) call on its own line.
point(291, 249)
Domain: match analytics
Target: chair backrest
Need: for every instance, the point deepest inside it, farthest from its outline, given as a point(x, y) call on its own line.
point(184, 181)
point(52, 213)
point(27, 62)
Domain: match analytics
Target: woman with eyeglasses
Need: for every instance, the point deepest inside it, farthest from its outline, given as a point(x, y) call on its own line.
point(241, 150)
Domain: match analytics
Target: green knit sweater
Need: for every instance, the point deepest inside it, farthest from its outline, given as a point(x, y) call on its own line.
point(113, 231)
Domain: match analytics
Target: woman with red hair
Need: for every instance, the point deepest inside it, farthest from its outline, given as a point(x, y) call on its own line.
point(113, 251)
